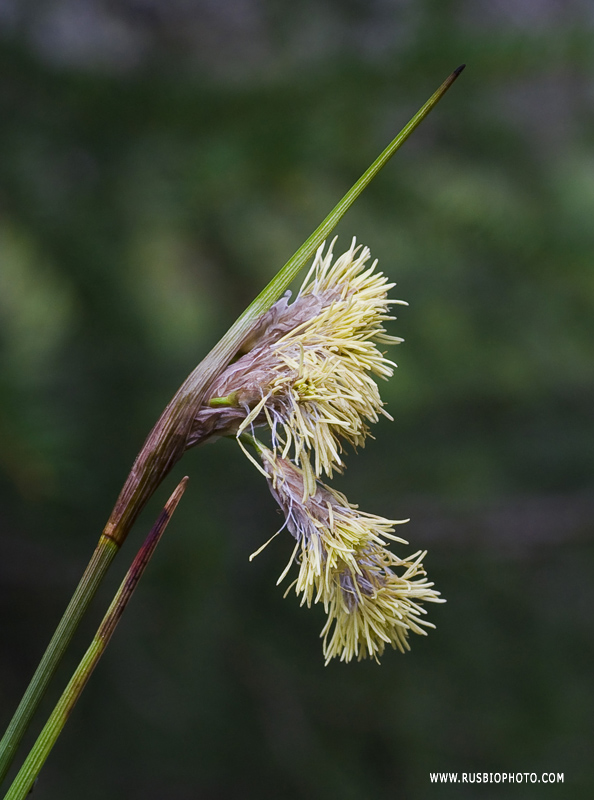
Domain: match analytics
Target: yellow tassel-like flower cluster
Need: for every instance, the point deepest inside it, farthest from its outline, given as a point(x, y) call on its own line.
point(344, 564)
point(321, 390)
point(308, 374)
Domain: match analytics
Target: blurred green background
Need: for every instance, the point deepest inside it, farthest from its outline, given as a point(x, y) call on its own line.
point(159, 161)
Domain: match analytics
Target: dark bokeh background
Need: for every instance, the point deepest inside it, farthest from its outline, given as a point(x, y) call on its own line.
point(159, 161)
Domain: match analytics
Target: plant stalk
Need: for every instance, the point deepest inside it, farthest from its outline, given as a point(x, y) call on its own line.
point(166, 443)
point(28, 773)
point(85, 591)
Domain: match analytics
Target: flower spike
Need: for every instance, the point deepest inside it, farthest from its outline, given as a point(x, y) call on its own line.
point(309, 376)
point(375, 606)
point(310, 371)
point(345, 565)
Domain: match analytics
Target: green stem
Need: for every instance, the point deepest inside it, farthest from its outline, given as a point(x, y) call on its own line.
point(224, 402)
point(47, 738)
point(249, 438)
point(92, 577)
point(166, 443)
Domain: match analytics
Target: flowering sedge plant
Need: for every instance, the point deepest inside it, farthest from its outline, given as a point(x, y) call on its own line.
point(309, 379)
point(306, 373)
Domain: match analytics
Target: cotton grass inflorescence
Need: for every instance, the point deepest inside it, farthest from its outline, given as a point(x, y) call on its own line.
point(309, 376)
